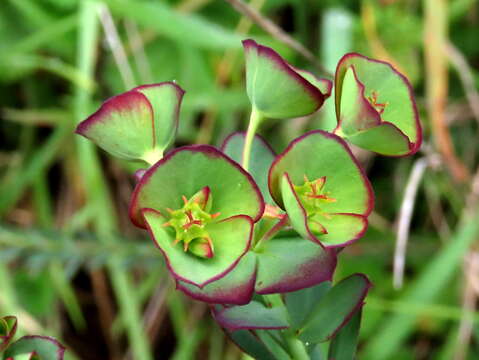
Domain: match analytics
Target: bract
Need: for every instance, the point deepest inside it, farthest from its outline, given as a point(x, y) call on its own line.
point(375, 107)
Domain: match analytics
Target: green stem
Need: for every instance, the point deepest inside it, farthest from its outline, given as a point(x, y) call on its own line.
point(274, 300)
point(254, 121)
point(297, 349)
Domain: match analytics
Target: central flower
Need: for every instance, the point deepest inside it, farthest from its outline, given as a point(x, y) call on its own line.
point(373, 100)
point(190, 222)
point(375, 107)
point(199, 207)
point(313, 197)
point(332, 208)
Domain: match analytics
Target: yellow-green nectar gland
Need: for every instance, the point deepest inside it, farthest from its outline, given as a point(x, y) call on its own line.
point(313, 197)
point(373, 100)
point(190, 223)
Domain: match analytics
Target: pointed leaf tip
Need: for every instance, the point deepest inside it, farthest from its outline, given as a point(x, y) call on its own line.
point(335, 309)
point(8, 328)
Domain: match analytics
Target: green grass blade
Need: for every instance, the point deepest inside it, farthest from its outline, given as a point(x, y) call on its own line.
point(437, 273)
point(176, 26)
point(105, 222)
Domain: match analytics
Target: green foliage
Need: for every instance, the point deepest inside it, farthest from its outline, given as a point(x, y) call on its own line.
point(56, 69)
point(32, 347)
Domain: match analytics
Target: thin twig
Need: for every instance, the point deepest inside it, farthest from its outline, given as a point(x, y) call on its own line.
point(223, 72)
point(154, 314)
point(405, 215)
point(435, 39)
point(138, 50)
point(104, 302)
point(278, 33)
point(466, 76)
point(117, 49)
point(471, 271)
point(368, 20)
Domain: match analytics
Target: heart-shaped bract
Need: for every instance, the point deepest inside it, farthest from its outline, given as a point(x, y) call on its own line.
point(276, 89)
point(323, 189)
point(375, 107)
point(138, 124)
point(199, 207)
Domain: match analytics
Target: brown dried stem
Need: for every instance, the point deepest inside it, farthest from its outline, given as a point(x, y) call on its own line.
point(278, 33)
point(435, 40)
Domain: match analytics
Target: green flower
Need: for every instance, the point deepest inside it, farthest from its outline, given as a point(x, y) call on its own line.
point(138, 124)
point(375, 107)
point(199, 207)
point(278, 90)
point(322, 188)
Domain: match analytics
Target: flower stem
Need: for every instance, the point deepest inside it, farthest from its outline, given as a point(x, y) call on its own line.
point(254, 121)
point(297, 349)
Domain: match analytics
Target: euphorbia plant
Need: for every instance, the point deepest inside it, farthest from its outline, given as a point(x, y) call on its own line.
point(255, 234)
point(30, 347)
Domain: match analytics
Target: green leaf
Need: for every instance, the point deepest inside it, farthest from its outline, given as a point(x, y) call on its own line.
point(165, 100)
point(371, 93)
point(275, 88)
point(45, 348)
point(231, 238)
point(8, 328)
point(357, 113)
point(261, 154)
point(254, 315)
point(301, 303)
point(236, 287)
point(344, 344)
point(342, 229)
point(138, 124)
point(335, 309)
point(385, 139)
point(251, 345)
point(290, 264)
point(324, 85)
point(185, 171)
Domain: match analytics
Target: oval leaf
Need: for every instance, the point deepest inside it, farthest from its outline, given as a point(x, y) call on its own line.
point(344, 344)
point(254, 315)
point(43, 347)
point(250, 344)
point(301, 303)
point(335, 309)
point(290, 264)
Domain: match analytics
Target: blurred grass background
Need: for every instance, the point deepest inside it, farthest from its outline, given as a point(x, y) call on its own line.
point(72, 265)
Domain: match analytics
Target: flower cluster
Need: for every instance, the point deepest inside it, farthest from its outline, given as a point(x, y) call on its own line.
point(240, 220)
